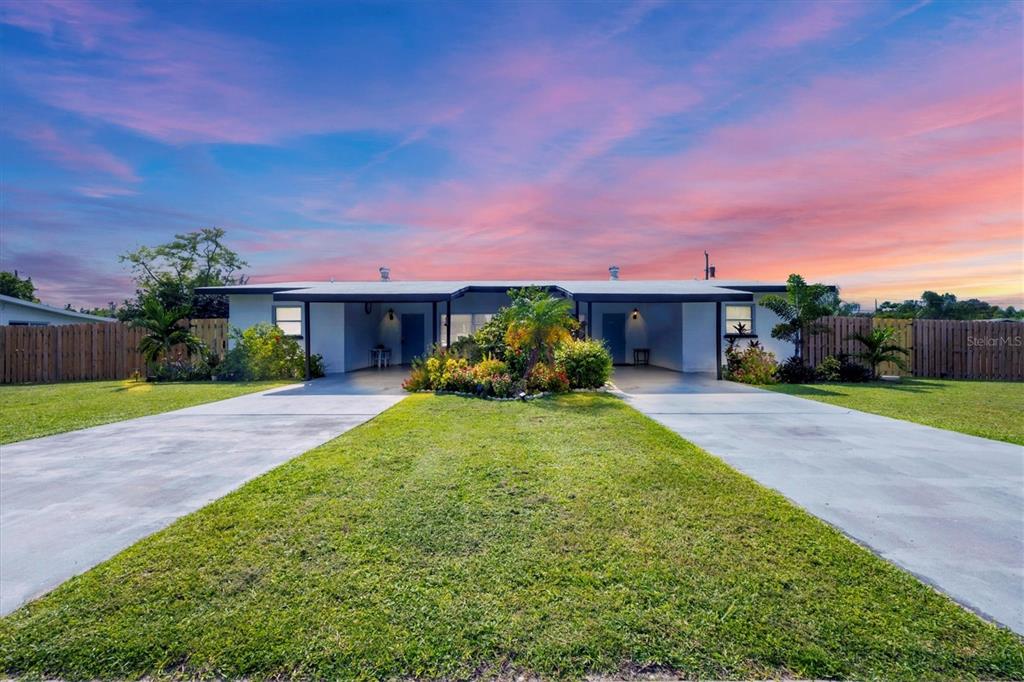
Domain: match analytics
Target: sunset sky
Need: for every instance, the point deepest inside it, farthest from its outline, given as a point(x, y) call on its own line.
point(877, 146)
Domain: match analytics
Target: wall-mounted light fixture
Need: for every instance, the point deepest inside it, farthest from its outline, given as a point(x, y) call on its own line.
point(367, 307)
point(636, 313)
point(391, 313)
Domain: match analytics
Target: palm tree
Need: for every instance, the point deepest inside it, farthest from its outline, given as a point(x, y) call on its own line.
point(878, 348)
point(537, 326)
point(164, 331)
point(800, 309)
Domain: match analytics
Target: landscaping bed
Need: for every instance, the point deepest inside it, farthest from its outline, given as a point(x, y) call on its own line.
point(990, 409)
point(460, 538)
point(31, 411)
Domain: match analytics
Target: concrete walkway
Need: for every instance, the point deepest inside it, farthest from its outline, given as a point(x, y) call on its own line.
point(70, 501)
point(945, 506)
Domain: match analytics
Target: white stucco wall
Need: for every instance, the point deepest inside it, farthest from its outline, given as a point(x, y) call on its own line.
point(764, 321)
point(245, 310)
point(327, 334)
point(15, 312)
point(699, 337)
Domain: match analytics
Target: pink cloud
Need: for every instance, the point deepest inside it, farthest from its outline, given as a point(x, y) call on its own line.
point(77, 154)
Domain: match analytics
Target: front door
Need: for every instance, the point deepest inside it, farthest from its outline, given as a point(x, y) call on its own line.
point(412, 336)
point(613, 329)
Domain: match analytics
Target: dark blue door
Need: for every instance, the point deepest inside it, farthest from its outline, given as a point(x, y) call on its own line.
point(613, 329)
point(412, 336)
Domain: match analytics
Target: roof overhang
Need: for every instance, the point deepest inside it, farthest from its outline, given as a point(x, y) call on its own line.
point(664, 298)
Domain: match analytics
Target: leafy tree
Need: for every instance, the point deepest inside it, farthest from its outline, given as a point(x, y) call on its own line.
point(13, 285)
point(164, 331)
point(879, 348)
point(171, 273)
point(800, 309)
point(537, 326)
point(933, 306)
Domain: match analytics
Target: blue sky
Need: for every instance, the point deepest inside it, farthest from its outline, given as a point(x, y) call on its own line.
point(874, 145)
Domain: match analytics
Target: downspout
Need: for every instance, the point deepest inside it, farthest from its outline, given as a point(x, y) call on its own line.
point(433, 323)
point(305, 335)
point(718, 340)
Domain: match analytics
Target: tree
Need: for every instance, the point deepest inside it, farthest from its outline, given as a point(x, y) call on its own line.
point(12, 285)
point(164, 331)
point(879, 348)
point(171, 272)
point(800, 309)
point(933, 306)
point(537, 325)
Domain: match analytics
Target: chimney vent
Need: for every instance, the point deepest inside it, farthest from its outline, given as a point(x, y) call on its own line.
point(613, 272)
point(385, 273)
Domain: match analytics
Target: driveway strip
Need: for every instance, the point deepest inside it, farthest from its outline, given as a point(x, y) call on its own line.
point(945, 506)
point(73, 500)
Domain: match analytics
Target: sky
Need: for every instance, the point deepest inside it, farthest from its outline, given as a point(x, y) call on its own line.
point(877, 146)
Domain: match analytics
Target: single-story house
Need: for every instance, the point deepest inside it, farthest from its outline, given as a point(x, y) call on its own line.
point(674, 324)
point(16, 311)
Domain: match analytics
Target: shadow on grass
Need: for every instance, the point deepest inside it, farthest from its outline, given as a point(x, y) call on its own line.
point(903, 386)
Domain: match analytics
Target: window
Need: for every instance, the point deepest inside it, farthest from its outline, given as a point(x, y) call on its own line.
point(736, 315)
point(464, 324)
point(289, 319)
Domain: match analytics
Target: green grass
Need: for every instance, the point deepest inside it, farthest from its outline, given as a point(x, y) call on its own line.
point(990, 409)
point(44, 409)
point(459, 538)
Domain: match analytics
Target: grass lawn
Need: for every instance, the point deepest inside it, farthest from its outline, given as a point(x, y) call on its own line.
point(44, 409)
point(990, 409)
point(458, 538)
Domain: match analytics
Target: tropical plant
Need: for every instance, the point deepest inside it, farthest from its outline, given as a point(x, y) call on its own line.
point(164, 331)
point(263, 351)
point(753, 365)
point(794, 371)
point(537, 326)
point(800, 310)
point(13, 285)
point(587, 363)
point(878, 348)
point(829, 369)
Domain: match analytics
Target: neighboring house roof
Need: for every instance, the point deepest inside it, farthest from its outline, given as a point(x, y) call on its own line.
point(84, 317)
point(429, 290)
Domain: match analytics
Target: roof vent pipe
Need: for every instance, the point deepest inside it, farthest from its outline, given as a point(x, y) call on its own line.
point(385, 273)
point(613, 272)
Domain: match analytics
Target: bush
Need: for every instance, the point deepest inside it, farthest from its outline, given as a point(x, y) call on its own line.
point(264, 352)
point(754, 365)
point(829, 369)
point(181, 369)
point(794, 371)
point(489, 368)
point(852, 371)
point(543, 378)
point(586, 364)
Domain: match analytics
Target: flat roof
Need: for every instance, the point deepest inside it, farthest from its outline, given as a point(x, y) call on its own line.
point(441, 290)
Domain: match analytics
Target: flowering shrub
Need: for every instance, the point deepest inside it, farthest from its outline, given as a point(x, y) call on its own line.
point(547, 378)
point(586, 363)
point(485, 369)
point(264, 352)
point(752, 365)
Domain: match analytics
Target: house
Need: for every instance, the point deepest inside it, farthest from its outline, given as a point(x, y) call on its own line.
point(677, 324)
point(16, 311)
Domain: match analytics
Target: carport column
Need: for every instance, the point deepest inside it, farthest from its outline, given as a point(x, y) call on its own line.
point(448, 323)
point(590, 319)
point(433, 323)
point(718, 340)
point(305, 334)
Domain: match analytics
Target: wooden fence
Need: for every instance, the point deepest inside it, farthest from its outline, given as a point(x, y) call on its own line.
point(949, 349)
point(80, 352)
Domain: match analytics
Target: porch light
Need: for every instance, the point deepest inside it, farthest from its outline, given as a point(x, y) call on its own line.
point(636, 313)
point(391, 313)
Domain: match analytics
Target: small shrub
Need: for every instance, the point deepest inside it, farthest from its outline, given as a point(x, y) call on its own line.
point(546, 378)
point(794, 371)
point(485, 369)
point(852, 371)
point(586, 363)
point(829, 369)
point(180, 369)
point(754, 365)
point(264, 352)
point(418, 379)
point(500, 386)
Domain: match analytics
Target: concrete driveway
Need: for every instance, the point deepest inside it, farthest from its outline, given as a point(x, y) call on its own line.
point(70, 501)
point(945, 506)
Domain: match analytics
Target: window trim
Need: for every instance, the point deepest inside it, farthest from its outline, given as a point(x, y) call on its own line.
point(753, 319)
point(300, 321)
